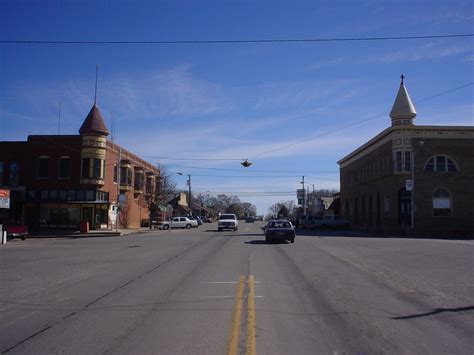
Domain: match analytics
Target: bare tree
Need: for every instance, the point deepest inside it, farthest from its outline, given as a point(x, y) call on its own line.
point(163, 191)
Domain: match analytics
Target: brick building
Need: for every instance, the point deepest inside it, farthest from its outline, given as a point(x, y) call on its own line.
point(58, 181)
point(437, 161)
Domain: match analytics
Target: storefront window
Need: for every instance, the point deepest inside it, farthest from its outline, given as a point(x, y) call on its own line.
point(90, 195)
point(53, 194)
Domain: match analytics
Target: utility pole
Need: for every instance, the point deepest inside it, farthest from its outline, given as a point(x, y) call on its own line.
point(189, 194)
point(304, 197)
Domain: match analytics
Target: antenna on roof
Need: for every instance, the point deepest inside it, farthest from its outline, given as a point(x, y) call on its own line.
point(59, 118)
point(96, 74)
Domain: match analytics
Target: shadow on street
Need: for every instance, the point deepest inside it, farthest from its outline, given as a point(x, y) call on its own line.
point(437, 311)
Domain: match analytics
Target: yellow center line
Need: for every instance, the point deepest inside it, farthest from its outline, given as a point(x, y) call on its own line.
point(251, 317)
point(236, 315)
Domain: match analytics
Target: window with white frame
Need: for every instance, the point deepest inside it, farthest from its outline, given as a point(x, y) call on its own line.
point(441, 164)
point(441, 202)
point(402, 160)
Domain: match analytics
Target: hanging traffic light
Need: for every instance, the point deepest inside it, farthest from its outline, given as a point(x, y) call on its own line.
point(246, 163)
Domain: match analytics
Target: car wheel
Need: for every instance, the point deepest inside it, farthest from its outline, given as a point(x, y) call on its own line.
point(219, 229)
point(165, 227)
point(293, 240)
point(23, 238)
point(235, 229)
point(188, 226)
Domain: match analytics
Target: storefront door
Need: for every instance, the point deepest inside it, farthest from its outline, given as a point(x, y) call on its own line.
point(87, 216)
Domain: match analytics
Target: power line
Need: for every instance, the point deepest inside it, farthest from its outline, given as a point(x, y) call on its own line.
point(263, 176)
point(254, 171)
point(171, 158)
point(230, 41)
point(354, 123)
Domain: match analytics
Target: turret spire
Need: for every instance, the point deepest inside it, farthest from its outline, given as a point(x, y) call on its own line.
point(402, 109)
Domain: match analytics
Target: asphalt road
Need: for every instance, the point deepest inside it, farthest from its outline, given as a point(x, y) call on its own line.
point(205, 292)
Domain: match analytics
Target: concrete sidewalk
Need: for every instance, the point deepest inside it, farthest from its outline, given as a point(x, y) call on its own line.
point(93, 233)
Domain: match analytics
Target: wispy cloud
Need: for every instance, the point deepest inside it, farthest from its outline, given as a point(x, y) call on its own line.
point(427, 51)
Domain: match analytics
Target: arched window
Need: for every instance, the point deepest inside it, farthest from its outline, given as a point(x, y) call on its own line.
point(441, 203)
point(441, 164)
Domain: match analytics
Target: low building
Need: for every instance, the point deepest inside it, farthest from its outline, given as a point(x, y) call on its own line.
point(58, 181)
point(411, 178)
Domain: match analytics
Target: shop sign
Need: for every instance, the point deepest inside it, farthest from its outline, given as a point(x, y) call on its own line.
point(4, 198)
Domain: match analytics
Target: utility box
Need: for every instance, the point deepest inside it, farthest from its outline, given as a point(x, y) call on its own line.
point(84, 227)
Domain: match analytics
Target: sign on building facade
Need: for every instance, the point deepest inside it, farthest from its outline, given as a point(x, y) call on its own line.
point(4, 198)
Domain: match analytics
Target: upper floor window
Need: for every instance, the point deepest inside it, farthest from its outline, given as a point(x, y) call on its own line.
point(43, 167)
point(64, 165)
point(441, 163)
point(138, 182)
point(13, 170)
point(93, 168)
point(402, 160)
point(98, 168)
point(441, 202)
point(125, 176)
point(86, 170)
point(115, 173)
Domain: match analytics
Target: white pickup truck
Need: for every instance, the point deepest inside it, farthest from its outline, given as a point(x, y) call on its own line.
point(178, 222)
point(227, 221)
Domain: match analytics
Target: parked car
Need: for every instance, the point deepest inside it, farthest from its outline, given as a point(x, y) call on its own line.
point(197, 219)
point(15, 229)
point(178, 222)
point(331, 221)
point(206, 219)
point(227, 221)
point(249, 220)
point(279, 230)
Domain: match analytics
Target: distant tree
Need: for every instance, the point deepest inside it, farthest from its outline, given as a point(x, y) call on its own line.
point(283, 208)
point(163, 191)
point(283, 212)
point(236, 208)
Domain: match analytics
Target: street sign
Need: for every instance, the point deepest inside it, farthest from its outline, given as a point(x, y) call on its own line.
point(4, 198)
point(300, 193)
point(409, 185)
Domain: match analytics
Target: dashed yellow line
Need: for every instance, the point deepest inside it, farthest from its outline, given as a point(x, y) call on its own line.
point(236, 315)
point(251, 317)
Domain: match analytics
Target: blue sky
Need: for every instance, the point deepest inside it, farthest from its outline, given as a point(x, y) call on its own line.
point(234, 100)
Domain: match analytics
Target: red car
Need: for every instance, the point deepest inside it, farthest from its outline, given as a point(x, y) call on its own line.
point(16, 230)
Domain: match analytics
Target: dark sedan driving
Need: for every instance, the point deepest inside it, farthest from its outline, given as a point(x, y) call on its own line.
point(279, 230)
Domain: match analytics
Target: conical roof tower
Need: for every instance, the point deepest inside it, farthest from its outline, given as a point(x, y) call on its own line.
point(94, 123)
point(403, 111)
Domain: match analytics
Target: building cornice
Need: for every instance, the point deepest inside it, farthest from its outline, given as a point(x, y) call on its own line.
point(440, 132)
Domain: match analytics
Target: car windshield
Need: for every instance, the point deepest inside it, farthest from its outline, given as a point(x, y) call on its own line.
point(283, 224)
point(227, 216)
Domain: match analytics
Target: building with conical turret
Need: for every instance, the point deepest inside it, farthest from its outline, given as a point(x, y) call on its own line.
point(410, 178)
point(60, 181)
